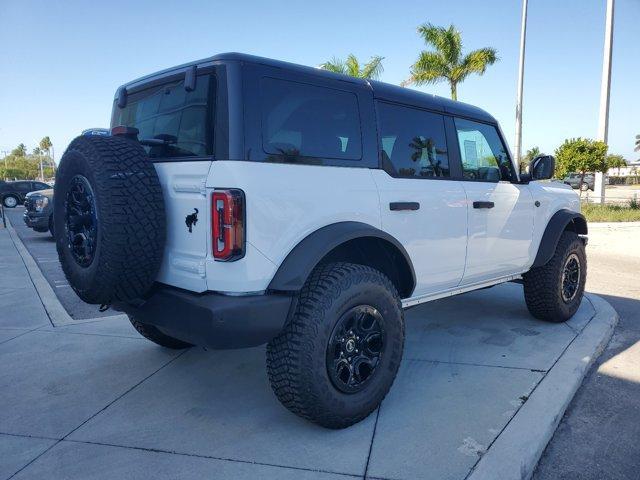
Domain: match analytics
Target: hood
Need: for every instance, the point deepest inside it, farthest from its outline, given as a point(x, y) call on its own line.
point(45, 193)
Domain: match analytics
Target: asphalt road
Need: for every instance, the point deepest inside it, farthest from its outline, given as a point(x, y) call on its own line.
point(43, 249)
point(598, 436)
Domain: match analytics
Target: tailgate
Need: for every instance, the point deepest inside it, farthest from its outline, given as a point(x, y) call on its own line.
point(187, 221)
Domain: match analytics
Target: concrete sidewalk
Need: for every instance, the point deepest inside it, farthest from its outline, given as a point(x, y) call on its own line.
point(479, 391)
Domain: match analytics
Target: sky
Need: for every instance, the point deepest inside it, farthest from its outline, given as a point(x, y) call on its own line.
point(61, 61)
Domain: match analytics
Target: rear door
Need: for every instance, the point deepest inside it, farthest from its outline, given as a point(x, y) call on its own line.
point(176, 129)
point(500, 212)
point(420, 203)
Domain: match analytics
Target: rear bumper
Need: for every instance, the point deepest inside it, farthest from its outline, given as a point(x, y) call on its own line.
point(211, 319)
point(37, 221)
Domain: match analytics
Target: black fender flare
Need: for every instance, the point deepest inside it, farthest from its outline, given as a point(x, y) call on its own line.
point(556, 225)
point(300, 262)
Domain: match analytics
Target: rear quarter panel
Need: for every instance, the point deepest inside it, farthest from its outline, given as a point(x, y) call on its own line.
point(285, 203)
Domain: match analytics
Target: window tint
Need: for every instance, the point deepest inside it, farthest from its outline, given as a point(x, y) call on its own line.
point(413, 142)
point(178, 120)
point(300, 120)
point(484, 156)
point(41, 186)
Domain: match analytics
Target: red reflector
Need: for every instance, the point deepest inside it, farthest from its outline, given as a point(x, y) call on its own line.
point(227, 224)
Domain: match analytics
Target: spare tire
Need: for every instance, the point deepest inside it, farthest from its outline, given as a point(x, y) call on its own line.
point(109, 219)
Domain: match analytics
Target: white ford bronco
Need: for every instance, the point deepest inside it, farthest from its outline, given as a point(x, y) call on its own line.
point(242, 201)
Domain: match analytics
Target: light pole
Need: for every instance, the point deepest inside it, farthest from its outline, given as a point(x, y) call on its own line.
point(605, 93)
point(523, 37)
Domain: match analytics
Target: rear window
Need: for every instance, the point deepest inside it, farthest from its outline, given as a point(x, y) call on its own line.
point(307, 121)
point(175, 122)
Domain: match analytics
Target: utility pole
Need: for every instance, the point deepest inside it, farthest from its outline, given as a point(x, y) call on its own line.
point(605, 93)
point(523, 37)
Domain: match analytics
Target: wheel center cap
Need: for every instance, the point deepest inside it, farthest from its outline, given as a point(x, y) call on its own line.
point(350, 346)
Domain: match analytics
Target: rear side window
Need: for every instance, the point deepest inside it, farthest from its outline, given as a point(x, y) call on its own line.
point(178, 121)
point(302, 121)
point(484, 156)
point(413, 142)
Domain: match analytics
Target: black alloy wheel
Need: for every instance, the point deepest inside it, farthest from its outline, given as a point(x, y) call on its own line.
point(81, 221)
point(570, 277)
point(355, 348)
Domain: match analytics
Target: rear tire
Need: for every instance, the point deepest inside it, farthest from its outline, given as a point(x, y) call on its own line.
point(339, 353)
point(553, 292)
point(156, 336)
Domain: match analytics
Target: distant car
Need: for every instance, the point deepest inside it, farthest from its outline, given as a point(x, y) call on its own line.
point(38, 212)
point(13, 194)
point(575, 181)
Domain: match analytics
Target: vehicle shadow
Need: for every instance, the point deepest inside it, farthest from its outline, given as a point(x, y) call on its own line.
point(598, 434)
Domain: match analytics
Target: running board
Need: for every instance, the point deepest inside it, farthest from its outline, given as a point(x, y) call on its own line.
point(413, 301)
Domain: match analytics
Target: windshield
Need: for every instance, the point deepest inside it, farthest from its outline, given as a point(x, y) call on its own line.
point(172, 122)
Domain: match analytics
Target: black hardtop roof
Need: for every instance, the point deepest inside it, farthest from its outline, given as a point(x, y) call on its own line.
point(381, 90)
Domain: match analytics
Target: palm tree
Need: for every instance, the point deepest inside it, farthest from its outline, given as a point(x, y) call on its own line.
point(446, 62)
point(46, 146)
point(531, 154)
point(351, 66)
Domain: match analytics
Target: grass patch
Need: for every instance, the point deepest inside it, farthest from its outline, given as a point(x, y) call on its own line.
point(611, 213)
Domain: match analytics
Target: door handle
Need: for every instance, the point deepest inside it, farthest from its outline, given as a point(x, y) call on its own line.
point(404, 206)
point(483, 205)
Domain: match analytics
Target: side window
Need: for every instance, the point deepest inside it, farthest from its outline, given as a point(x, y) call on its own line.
point(41, 186)
point(484, 156)
point(413, 142)
point(301, 120)
point(179, 122)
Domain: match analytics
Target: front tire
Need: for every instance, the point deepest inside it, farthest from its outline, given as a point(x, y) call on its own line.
point(553, 292)
point(10, 201)
point(156, 336)
point(339, 353)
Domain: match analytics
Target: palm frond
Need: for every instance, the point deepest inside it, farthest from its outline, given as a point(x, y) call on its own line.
point(429, 68)
point(334, 65)
point(352, 66)
point(373, 68)
point(446, 41)
point(477, 61)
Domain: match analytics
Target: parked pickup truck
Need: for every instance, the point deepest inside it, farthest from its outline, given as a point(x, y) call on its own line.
point(38, 210)
point(242, 201)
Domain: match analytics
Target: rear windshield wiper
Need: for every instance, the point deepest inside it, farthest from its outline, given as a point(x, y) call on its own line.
point(159, 140)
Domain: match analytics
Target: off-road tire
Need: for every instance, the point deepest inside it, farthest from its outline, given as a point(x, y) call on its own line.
point(296, 358)
point(156, 336)
point(11, 205)
point(130, 218)
point(543, 285)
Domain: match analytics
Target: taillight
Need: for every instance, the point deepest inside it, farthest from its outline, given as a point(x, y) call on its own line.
point(228, 224)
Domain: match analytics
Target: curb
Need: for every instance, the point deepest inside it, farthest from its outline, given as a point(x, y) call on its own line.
point(516, 451)
point(55, 310)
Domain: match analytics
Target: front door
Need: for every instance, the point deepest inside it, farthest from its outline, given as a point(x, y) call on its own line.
point(500, 212)
point(420, 204)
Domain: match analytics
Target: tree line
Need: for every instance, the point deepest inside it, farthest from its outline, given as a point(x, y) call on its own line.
point(19, 164)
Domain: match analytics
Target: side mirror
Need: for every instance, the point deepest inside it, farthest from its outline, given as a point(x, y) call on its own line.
point(542, 167)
